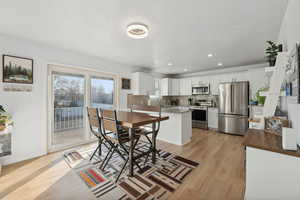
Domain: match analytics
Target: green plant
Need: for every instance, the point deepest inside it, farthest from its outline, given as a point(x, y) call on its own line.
point(2, 109)
point(5, 118)
point(271, 52)
point(261, 99)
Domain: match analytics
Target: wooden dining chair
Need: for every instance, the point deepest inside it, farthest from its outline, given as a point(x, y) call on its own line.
point(148, 130)
point(95, 128)
point(117, 137)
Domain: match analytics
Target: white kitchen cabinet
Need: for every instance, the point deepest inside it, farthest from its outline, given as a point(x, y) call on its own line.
point(213, 118)
point(143, 83)
point(271, 171)
point(214, 87)
point(175, 87)
point(185, 87)
point(170, 87)
point(157, 87)
point(165, 86)
point(271, 175)
point(178, 129)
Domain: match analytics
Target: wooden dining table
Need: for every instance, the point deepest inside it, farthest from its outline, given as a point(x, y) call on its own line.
point(132, 121)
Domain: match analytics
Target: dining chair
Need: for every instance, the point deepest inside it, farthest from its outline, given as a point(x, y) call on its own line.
point(117, 137)
point(148, 130)
point(95, 128)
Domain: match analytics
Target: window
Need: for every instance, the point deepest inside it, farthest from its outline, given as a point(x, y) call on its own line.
point(102, 92)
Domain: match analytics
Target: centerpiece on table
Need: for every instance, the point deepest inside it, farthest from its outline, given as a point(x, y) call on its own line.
point(5, 119)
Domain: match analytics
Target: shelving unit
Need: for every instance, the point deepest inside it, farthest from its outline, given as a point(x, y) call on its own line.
point(276, 76)
point(5, 143)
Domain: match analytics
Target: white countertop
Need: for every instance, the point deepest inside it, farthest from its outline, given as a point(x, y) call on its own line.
point(176, 110)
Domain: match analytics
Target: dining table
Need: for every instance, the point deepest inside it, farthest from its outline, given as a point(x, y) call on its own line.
point(134, 120)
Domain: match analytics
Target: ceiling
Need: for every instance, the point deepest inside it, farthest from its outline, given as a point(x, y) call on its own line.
point(181, 32)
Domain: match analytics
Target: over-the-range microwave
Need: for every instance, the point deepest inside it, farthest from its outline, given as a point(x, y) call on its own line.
point(200, 89)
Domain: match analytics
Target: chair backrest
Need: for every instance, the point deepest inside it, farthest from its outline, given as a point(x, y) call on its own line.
point(109, 120)
point(94, 121)
point(143, 108)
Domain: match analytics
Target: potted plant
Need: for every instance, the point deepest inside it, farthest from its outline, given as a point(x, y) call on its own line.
point(261, 99)
point(5, 118)
point(272, 52)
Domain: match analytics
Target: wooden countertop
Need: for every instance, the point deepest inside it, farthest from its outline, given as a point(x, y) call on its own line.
point(136, 119)
point(266, 141)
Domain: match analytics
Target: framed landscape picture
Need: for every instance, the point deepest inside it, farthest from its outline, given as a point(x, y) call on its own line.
point(126, 84)
point(17, 69)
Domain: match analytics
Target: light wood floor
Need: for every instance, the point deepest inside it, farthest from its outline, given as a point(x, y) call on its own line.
point(219, 176)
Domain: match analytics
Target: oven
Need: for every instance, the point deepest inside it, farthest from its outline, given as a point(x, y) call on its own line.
point(199, 117)
point(200, 89)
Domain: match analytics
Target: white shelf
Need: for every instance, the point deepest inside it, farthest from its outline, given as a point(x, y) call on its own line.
point(266, 93)
point(270, 69)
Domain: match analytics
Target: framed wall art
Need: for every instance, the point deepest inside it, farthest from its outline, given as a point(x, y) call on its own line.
point(126, 84)
point(17, 69)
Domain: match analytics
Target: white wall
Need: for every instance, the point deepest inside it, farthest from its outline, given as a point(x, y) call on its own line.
point(289, 33)
point(29, 109)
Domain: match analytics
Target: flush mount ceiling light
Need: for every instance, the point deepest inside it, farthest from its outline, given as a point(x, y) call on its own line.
point(185, 70)
point(170, 64)
point(137, 31)
point(220, 64)
point(210, 55)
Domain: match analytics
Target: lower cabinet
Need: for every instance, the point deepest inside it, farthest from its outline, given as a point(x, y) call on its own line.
point(213, 118)
point(271, 175)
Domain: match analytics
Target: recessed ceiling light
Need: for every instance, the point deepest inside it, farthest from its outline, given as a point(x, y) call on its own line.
point(210, 55)
point(137, 31)
point(170, 64)
point(185, 70)
point(220, 64)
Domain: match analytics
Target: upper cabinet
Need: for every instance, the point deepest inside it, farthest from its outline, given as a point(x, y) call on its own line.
point(185, 87)
point(170, 87)
point(165, 87)
point(143, 83)
point(175, 87)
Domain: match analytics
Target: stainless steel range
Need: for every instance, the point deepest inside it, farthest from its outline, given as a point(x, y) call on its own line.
point(199, 117)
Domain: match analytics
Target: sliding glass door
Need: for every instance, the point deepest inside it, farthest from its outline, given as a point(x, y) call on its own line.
point(68, 124)
point(70, 92)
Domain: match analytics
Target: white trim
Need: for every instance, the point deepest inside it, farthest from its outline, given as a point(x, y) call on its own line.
point(63, 147)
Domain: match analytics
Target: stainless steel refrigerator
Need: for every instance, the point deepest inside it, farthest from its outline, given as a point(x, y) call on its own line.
point(233, 107)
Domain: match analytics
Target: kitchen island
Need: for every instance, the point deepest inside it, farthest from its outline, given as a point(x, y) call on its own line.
point(178, 129)
point(271, 171)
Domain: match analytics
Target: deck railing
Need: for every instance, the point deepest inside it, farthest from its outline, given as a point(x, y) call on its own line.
point(68, 118)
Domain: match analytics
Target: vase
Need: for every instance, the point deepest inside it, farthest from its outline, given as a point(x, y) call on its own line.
point(272, 63)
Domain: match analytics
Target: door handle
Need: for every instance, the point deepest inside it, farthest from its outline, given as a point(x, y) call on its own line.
point(231, 102)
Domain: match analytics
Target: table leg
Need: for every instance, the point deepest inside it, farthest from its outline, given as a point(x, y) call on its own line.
point(153, 143)
point(131, 137)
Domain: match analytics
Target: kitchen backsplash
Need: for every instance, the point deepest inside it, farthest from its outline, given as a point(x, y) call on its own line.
point(184, 100)
point(169, 100)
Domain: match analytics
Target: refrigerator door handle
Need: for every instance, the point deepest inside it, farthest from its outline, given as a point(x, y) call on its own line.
point(232, 96)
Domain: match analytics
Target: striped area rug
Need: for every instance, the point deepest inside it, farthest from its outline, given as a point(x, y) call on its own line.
point(157, 181)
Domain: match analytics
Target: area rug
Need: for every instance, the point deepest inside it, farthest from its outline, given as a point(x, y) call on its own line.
point(157, 181)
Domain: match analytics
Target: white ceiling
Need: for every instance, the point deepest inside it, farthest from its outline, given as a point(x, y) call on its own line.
point(182, 32)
